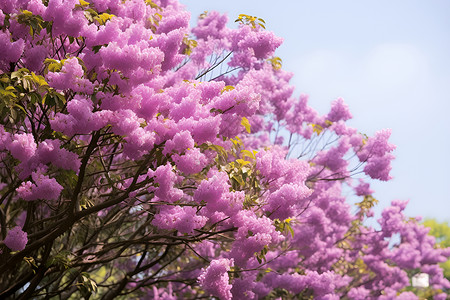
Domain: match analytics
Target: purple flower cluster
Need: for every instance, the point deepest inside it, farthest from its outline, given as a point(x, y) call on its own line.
point(44, 188)
point(214, 278)
point(16, 239)
point(183, 219)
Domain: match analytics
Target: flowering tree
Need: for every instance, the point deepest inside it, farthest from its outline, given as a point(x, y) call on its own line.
point(141, 158)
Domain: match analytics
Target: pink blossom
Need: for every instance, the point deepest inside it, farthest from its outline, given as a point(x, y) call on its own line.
point(65, 19)
point(80, 118)
point(34, 56)
point(121, 57)
point(203, 130)
point(179, 143)
point(378, 167)
point(358, 293)
point(25, 190)
point(253, 234)
point(44, 187)
point(138, 142)
point(286, 201)
point(51, 151)
point(211, 190)
point(23, 146)
point(70, 77)
point(377, 146)
point(181, 218)
point(214, 278)
point(11, 50)
point(363, 188)
point(36, 7)
point(16, 239)
point(339, 111)
point(193, 161)
point(262, 43)
point(333, 158)
point(213, 25)
point(5, 138)
point(165, 178)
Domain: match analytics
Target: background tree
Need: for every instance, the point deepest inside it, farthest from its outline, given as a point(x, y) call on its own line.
point(441, 231)
point(141, 158)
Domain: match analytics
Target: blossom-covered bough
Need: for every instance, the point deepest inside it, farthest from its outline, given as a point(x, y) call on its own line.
point(143, 159)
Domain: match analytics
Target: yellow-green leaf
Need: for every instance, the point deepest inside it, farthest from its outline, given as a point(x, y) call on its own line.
point(276, 62)
point(237, 142)
point(246, 124)
point(246, 153)
point(289, 228)
point(102, 18)
point(152, 4)
point(227, 89)
point(38, 79)
point(242, 162)
point(20, 107)
point(219, 149)
point(7, 93)
point(317, 128)
point(27, 12)
point(239, 180)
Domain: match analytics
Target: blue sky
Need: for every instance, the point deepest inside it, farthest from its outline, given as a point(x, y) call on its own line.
point(389, 60)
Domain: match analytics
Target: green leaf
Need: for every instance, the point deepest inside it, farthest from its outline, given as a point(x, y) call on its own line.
point(20, 107)
point(289, 228)
point(35, 98)
point(61, 98)
point(87, 283)
point(239, 180)
point(97, 48)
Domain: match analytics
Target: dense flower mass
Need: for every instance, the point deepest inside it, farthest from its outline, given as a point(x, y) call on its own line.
point(16, 239)
point(215, 278)
point(144, 159)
